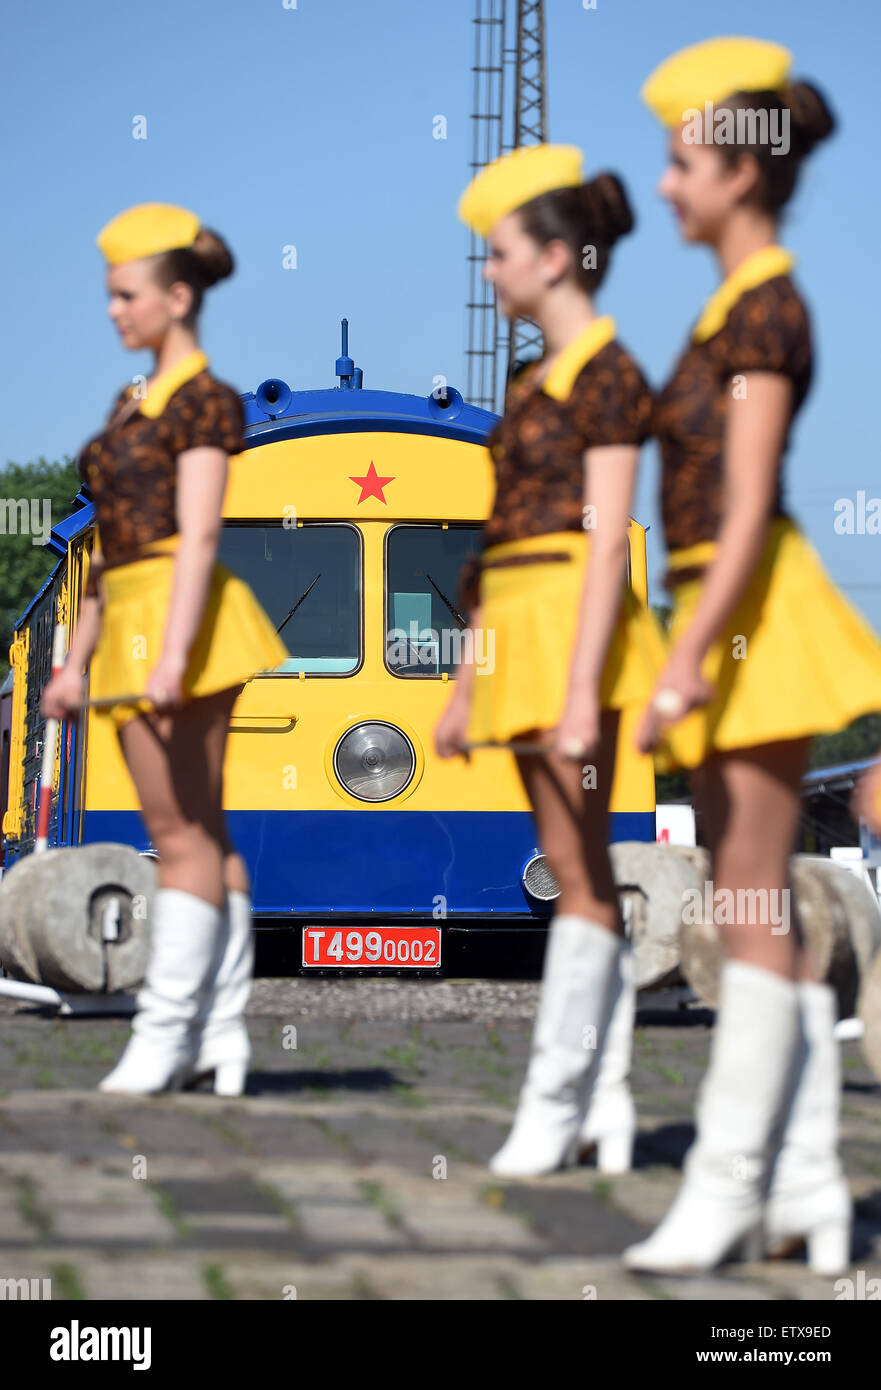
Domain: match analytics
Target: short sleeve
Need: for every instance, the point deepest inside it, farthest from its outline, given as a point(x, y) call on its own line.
point(211, 419)
point(768, 330)
point(611, 400)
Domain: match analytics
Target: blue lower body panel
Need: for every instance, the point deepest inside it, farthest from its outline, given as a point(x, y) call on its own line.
point(425, 863)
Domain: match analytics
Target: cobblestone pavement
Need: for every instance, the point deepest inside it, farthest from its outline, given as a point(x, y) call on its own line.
point(355, 1166)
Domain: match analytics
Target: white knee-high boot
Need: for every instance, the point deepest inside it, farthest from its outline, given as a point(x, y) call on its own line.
point(809, 1197)
point(740, 1116)
point(610, 1122)
point(225, 1048)
point(578, 987)
point(186, 938)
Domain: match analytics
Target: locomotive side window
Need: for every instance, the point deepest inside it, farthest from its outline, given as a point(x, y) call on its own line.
point(308, 579)
point(423, 626)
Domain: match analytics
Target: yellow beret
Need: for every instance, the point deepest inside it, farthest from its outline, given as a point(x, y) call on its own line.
point(146, 229)
point(712, 71)
point(511, 181)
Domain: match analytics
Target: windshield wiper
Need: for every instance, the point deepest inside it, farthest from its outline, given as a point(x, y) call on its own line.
point(299, 601)
point(455, 612)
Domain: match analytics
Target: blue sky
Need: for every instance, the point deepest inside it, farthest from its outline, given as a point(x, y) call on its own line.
point(312, 126)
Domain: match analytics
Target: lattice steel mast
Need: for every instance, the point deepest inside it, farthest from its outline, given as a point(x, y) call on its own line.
point(507, 77)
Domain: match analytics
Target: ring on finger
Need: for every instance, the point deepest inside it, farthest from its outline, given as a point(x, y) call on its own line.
point(668, 703)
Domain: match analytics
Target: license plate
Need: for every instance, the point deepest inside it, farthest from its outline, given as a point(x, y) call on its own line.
point(400, 948)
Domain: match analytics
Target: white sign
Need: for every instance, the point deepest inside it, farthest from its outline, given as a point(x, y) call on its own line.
point(674, 825)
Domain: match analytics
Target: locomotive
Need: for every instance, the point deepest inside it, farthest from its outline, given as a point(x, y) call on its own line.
point(350, 512)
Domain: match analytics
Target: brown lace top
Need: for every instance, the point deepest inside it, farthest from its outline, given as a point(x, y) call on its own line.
point(538, 449)
point(131, 466)
point(767, 330)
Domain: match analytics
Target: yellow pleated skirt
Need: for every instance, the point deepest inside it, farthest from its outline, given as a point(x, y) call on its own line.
point(529, 624)
point(796, 658)
point(236, 638)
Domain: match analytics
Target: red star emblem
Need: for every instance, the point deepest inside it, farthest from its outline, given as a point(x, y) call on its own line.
point(371, 484)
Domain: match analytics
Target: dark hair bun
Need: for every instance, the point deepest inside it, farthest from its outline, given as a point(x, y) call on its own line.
point(809, 115)
point(214, 256)
point(607, 207)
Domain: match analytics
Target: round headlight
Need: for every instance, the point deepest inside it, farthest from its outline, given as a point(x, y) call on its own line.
point(538, 880)
point(374, 761)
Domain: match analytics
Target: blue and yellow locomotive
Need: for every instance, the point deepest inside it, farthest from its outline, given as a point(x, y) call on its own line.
point(350, 513)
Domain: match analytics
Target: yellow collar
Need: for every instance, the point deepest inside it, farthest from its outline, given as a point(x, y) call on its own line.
point(160, 391)
point(568, 363)
point(760, 266)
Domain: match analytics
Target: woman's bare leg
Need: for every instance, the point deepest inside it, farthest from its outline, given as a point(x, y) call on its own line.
point(751, 801)
point(176, 763)
point(572, 825)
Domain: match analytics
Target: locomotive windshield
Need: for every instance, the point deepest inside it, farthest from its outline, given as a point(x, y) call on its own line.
point(308, 580)
point(422, 623)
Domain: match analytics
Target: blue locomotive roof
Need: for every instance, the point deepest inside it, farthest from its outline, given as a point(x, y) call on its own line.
point(60, 549)
point(82, 516)
point(340, 410)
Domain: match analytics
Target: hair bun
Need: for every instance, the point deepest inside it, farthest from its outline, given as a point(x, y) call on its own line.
point(214, 256)
point(810, 117)
point(608, 207)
